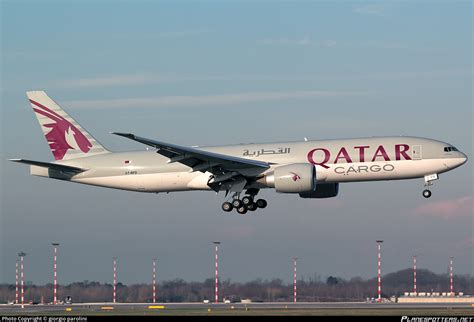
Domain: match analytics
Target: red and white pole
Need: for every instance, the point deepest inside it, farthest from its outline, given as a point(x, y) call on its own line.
point(451, 276)
point(22, 277)
point(55, 272)
point(22, 282)
point(16, 282)
point(217, 272)
point(115, 280)
point(379, 275)
point(414, 274)
point(154, 280)
point(294, 278)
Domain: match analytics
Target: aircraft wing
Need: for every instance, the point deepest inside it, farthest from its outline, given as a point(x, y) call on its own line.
point(197, 159)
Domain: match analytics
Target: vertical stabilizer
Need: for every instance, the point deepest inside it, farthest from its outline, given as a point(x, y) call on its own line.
point(66, 138)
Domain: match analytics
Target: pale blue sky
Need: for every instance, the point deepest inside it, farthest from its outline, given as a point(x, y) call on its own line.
point(215, 73)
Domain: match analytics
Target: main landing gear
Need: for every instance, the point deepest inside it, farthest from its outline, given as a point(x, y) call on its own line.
point(428, 183)
point(247, 203)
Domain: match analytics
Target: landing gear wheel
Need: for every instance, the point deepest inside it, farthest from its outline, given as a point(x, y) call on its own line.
point(242, 210)
point(251, 207)
point(237, 203)
point(426, 193)
point(247, 200)
point(261, 203)
point(227, 206)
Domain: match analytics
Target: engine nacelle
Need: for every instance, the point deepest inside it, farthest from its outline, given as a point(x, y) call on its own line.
point(325, 190)
point(293, 178)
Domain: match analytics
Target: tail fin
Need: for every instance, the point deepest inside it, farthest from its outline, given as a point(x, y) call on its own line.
point(66, 138)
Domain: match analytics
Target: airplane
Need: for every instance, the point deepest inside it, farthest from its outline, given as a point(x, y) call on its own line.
point(312, 169)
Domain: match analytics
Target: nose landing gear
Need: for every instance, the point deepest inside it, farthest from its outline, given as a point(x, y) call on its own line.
point(428, 183)
point(426, 193)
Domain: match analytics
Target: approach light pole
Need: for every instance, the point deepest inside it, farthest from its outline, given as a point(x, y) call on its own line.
point(379, 276)
point(451, 286)
point(16, 281)
point(55, 272)
point(414, 274)
point(294, 278)
point(154, 280)
point(115, 280)
point(22, 276)
point(217, 243)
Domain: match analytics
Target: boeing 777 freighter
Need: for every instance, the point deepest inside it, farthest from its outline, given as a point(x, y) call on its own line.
point(312, 169)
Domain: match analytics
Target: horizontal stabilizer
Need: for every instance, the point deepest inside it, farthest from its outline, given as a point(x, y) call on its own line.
point(54, 166)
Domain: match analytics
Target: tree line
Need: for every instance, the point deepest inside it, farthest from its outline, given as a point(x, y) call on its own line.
point(313, 288)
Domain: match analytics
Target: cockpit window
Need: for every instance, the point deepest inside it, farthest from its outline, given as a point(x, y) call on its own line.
point(449, 148)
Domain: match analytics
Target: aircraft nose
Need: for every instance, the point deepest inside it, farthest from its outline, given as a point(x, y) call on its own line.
point(457, 159)
point(463, 157)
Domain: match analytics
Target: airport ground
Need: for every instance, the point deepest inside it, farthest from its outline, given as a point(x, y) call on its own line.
point(309, 308)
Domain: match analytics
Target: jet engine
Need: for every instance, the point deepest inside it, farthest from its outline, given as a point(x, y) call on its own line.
point(293, 178)
point(325, 190)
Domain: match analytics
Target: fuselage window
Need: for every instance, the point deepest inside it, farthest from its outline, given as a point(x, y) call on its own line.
point(449, 149)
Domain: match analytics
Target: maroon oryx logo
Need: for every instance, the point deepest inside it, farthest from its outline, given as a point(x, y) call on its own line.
point(295, 177)
point(63, 135)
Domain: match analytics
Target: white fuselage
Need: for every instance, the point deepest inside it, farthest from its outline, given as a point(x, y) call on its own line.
point(349, 160)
